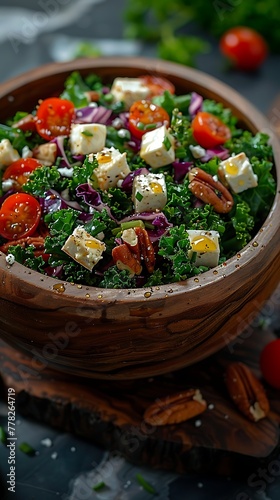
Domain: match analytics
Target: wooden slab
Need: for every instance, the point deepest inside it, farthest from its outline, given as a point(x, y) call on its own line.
point(111, 413)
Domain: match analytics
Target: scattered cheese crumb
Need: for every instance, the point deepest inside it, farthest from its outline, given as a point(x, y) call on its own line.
point(211, 406)
point(46, 442)
point(54, 455)
point(198, 423)
point(10, 259)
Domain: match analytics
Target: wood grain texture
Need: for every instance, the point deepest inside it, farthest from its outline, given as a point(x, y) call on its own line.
point(111, 413)
point(123, 334)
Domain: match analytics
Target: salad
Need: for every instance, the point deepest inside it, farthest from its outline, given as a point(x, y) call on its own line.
point(129, 184)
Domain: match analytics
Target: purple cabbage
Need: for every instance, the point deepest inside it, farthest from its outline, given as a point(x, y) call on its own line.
point(59, 141)
point(53, 202)
point(92, 198)
point(218, 151)
point(195, 104)
point(54, 272)
point(128, 181)
point(181, 168)
point(93, 114)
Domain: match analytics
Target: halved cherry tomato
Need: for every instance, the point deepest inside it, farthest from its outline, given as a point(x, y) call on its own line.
point(27, 123)
point(20, 170)
point(145, 116)
point(157, 85)
point(19, 216)
point(209, 131)
point(54, 117)
point(245, 47)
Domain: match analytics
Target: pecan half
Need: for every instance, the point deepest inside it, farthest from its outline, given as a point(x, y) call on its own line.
point(146, 248)
point(246, 391)
point(124, 258)
point(175, 408)
point(36, 241)
point(207, 189)
point(138, 241)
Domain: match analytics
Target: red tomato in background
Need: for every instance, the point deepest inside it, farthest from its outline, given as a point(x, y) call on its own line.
point(145, 116)
point(54, 117)
point(245, 47)
point(20, 215)
point(157, 85)
point(20, 170)
point(270, 363)
point(209, 131)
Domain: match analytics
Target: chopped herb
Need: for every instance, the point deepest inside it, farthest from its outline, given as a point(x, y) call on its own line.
point(99, 486)
point(87, 133)
point(3, 435)
point(166, 142)
point(27, 449)
point(139, 196)
point(145, 485)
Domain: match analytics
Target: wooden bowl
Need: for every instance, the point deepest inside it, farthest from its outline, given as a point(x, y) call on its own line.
point(124, 334)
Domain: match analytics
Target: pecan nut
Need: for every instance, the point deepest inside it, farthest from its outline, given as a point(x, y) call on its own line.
point(207, 189)
point(138, 241)
point(246, 391)
point(124, 258)
point(146, 248)
point(175, 408)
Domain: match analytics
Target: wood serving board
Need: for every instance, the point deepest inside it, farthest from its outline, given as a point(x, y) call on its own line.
point(110, 414)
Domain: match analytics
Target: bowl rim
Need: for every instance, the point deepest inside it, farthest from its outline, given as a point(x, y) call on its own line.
point(255, 121)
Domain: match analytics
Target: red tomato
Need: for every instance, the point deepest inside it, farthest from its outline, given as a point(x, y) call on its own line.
point(270, 363)
point(209, 131)
point(157, 84)
point(54, 117)
point(145, 116)
point(26, 123)
point(19, 216)
point(245, 47)
point(20, 170)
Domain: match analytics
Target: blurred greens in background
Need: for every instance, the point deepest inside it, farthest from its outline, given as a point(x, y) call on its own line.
point(166, 23)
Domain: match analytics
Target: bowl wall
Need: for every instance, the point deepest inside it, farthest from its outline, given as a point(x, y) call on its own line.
point(121, 334)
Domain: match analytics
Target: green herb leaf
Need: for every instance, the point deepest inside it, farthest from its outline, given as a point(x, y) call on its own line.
point(145, 485)
point(75, 89)
point(3, 435)
point(27, 449)
point(99, 486)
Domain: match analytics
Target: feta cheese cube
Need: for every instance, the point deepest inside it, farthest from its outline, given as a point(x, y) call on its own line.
point(112, 167)
point(83, 248)
point(157, 147)
point(7, 154)
point(87, 138)
point(46, 153)
point(206, 246)
point(149, 192)
point(197, 151)
point(129, 90)
point(238, 173)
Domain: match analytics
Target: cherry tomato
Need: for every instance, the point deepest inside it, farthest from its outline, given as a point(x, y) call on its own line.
point(157, 85)
point(26, 123)
point(20, 170)
point(245, 47)
point(19, 216)
point(54, 117)
point(270, 363)
point(209, 131)
point(145, 116)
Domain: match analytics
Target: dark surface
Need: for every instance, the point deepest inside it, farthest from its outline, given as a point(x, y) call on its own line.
point(42, 477)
